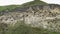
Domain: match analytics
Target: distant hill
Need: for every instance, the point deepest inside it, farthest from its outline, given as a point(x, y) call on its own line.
point(32, 3)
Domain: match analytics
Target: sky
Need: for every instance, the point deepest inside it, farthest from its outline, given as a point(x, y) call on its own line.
point(19, 2)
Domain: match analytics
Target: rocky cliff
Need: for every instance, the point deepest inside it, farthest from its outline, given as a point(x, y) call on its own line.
point(43, 16)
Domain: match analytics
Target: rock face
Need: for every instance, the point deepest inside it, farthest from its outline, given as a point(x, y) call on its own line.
point(45, 16)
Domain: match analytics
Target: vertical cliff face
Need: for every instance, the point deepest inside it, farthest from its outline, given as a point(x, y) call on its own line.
point(44, 16)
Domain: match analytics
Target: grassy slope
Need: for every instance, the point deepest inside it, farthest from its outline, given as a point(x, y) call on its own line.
point(32, 3)
point(11, 7)
point(21, 28)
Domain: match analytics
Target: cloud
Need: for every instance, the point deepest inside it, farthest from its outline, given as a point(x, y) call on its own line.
point(9, 2)
point(52, 1)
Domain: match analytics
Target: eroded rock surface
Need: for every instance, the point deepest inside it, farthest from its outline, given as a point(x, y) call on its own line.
point(47, 17)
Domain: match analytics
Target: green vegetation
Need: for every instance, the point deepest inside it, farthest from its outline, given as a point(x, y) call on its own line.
point(21, 28)
point(10, 7)
point(3, 28)
point(32, 3)
point(36, 0)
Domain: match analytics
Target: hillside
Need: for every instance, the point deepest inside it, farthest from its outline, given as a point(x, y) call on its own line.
point(11, 7)
point(35, 17)
point(32, 3)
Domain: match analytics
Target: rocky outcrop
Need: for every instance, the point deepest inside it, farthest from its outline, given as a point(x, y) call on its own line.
point(44, 16)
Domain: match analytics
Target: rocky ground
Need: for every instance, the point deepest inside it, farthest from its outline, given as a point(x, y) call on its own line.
point(44, 16)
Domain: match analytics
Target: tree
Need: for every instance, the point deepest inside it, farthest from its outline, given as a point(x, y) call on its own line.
point(36, 0)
